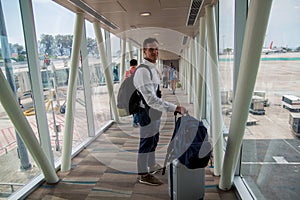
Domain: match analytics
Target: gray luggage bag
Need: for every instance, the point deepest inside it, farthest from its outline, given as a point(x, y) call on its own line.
point(184, 183)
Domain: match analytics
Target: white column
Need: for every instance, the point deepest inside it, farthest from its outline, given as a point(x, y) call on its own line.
point(186, 71)
point(193, 64)
point(123, 59)
point(107, 74)
point(216, 113)
point(256, 26)
point(141, 53)
point(108, 49)
point(200, 70)
point(71, 94)
point(190, 73)
point(130, 50)
point(35, 77)
point(87, 85)
point(183, 70)
point(181, 74)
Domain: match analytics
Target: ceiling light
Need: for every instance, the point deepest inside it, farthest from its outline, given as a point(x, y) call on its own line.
point(145, 14)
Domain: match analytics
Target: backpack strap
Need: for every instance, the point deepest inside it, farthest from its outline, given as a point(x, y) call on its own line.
point(151, 76)
point(145, 66)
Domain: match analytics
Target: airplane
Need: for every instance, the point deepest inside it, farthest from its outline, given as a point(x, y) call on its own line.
point(273, 50)
point(268, 50)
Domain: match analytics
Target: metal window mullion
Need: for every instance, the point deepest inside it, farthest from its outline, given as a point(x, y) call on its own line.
point(240, 17)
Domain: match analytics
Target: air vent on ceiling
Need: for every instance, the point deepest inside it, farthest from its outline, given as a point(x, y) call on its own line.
point(93, 13)
point(184, 40)
point(193, 12)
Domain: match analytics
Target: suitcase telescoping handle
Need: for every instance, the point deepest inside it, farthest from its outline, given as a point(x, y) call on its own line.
point(169, 151)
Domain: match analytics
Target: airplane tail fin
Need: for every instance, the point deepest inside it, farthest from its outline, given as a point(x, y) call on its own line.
point(271, 45)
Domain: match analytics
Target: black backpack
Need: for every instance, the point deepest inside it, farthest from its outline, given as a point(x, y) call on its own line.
point(189, 143)
point(128, 100)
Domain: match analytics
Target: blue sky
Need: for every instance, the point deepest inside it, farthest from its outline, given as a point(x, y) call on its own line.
point(50, 18)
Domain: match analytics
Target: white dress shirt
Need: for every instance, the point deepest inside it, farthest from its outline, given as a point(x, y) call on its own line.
point(147, 87)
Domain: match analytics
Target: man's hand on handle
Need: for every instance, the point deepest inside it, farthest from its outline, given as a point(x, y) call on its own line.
point(180, 109)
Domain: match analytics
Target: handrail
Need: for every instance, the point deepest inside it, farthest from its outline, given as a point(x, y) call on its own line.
point(12, 185)
point(6, 146)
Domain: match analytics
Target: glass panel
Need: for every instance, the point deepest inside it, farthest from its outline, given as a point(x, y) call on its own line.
point(226, 45)
point(17, 167)
point(270, 151)
point(100, 100)
point(54, 49)
point(270, 154)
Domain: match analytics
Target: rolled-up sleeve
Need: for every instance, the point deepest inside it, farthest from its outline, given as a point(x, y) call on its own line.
point(147, 87)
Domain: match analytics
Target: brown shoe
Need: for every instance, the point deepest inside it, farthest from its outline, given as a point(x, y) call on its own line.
point(156, 169)
point(149, 179)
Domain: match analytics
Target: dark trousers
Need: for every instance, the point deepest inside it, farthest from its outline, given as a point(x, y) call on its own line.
point(146, 157)
point(149, 137)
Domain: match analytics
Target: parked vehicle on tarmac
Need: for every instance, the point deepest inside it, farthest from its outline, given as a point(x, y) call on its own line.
point(291, 102)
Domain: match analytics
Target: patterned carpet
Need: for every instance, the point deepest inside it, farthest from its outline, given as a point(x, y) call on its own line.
point(106, 169)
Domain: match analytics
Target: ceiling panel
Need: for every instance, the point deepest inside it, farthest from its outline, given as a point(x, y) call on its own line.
point(174, 3)
point(107, 6)
point(170, 15)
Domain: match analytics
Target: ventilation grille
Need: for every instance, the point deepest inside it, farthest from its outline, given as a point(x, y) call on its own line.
point(184, 40)
point(193, 12)
point(93, 13)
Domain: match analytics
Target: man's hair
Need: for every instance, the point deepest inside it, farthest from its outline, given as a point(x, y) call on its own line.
point(133, 62)
point(149, 41)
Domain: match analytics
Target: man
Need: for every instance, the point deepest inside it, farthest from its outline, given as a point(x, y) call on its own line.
point(148, 86)
point(173, 78)
point(165, 76)
point(133, 64)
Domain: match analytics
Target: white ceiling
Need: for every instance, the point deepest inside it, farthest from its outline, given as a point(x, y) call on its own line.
point(167, 21)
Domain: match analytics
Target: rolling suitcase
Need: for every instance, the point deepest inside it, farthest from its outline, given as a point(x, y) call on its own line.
point(184, 183)
point(188, 154)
